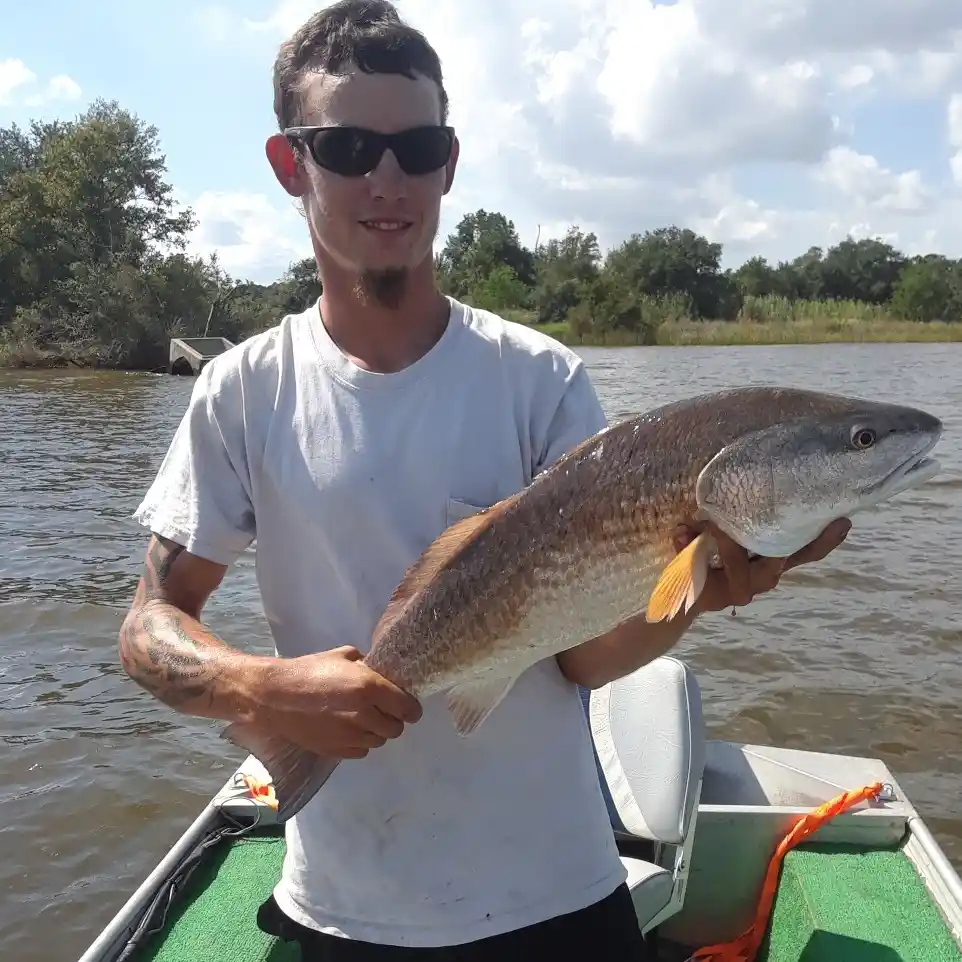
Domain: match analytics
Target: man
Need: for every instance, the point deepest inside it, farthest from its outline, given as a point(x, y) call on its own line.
point(346, 439)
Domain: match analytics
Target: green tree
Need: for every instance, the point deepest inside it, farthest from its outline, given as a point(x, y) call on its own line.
point(481, 242)
point(757, 278)
point(89, 191)
point(861, 270)
point(90, 241)
point(672, 260)
point(804, 277)
point(566, 268)
point(929, 289)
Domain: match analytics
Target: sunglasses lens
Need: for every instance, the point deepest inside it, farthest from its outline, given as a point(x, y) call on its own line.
point(353, 152)
point(346, 150)
point(423, 149)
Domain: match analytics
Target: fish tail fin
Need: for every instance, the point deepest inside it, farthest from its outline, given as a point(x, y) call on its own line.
point(682, 580)
point(296, 774)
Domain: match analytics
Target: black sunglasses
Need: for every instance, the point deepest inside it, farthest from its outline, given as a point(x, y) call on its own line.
point(356, 151)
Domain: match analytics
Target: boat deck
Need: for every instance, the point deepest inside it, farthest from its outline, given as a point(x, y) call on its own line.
point(835, 903)
point(840, 903)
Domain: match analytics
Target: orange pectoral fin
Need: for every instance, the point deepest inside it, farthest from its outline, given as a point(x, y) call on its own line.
point(682, 580)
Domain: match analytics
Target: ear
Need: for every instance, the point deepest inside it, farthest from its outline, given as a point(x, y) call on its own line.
point(451, 164)
point(287, 168)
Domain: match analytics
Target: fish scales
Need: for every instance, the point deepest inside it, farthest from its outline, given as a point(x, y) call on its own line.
point(579, 553)
point(590, 541)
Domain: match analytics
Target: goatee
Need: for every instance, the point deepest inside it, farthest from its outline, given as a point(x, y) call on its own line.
point(385, 286)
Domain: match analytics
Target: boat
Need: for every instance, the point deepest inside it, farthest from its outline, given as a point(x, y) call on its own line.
point(734, 852)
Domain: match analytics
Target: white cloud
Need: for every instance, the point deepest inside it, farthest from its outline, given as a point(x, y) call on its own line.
point(253, 236)
point(620, 115)
point(862, 180)
point(955, 135)
point(18, 83)
point(14, 74)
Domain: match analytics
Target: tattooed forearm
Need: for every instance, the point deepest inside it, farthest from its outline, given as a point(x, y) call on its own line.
point(165, 648)
point(163, 656)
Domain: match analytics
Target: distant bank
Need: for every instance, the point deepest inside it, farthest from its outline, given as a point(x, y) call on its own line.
point(732, 333)
point(811, 328)
point(24, 355)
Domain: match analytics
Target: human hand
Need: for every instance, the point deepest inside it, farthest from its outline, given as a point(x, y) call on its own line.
point(739, 580)
point(333, 705)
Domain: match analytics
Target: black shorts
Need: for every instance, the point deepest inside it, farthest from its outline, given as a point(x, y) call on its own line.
point(607, 930)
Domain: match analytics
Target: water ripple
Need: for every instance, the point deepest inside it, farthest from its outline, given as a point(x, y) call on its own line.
point(857, 654)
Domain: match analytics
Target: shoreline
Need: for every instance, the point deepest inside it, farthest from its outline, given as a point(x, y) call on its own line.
point(25, 356)
point(768, 333)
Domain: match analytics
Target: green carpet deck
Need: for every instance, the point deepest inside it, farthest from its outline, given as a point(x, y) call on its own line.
point(834, 904)
point(843, 904)
point(215, 920)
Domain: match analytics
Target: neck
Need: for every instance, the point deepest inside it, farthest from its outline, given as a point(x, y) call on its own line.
point(377, 338)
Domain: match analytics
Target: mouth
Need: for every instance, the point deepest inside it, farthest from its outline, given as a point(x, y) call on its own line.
point(388, 227)
point(911, 472)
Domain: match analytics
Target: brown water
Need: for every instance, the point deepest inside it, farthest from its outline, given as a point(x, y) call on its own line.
point(861, 654)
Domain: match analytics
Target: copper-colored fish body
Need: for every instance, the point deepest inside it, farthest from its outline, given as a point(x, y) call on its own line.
point(590, 542)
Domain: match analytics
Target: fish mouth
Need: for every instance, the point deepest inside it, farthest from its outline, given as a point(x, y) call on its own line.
point(913, 471)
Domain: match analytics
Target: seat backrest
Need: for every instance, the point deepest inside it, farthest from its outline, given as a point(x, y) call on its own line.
point(649, 741)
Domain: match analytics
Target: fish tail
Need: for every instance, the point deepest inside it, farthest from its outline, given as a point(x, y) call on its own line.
point(296, 774)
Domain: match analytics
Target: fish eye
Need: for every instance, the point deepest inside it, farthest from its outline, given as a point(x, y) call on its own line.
point(863, 438)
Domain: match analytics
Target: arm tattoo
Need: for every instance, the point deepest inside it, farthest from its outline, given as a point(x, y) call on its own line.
point(160, 559)
point(160, 647)
point(170, 664)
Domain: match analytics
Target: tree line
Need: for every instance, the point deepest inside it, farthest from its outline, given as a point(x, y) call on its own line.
point(674, 274)
point(94, 269)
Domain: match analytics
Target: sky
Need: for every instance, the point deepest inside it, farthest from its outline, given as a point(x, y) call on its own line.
point(766, 125)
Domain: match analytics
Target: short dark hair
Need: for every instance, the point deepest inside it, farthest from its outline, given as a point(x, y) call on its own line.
point(368, 34)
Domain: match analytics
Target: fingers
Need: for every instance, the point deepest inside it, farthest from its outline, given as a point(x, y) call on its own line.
point(766, 573)
point(683, 536)
point(378, 724)
point(378, 691)
point(357, 732)
point(738, 571)
point(347, 652)
point(830, 538)
point(393, 701)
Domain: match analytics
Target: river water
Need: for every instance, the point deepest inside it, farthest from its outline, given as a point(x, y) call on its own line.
point(861, 653)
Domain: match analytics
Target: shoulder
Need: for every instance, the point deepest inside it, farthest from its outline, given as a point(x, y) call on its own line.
point(252, 370)
point(553, 395)
point(520, 344)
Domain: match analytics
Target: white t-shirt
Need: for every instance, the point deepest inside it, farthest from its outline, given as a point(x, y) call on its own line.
point(344, 477)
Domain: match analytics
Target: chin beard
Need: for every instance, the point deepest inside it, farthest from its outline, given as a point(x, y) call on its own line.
point(385, 286)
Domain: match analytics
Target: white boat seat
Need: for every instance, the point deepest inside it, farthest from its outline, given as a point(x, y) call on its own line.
point(649, 742)
point(651, 888)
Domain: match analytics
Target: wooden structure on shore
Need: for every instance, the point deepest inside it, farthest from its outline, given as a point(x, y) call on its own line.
point(188, 355)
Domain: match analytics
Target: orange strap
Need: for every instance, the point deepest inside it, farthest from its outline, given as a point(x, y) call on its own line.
point(744, 948)
point(262, 790)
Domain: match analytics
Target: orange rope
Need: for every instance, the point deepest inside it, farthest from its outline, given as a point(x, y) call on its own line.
point(744, 948)
point(259, 789)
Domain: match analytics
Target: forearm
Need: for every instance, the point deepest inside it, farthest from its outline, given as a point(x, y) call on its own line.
point(633, 643)
point(173, 656)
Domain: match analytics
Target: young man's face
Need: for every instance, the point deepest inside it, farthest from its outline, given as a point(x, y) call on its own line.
point(386, 219)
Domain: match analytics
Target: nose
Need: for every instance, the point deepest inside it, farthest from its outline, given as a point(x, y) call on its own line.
point(387, 181)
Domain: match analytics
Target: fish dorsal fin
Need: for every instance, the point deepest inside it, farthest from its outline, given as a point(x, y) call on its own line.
point(432, 560)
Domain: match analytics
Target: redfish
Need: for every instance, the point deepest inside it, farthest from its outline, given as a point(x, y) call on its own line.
point(589, 543)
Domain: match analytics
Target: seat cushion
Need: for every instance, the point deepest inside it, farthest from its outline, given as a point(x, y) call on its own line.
point(650, 887)
point(649, 742)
